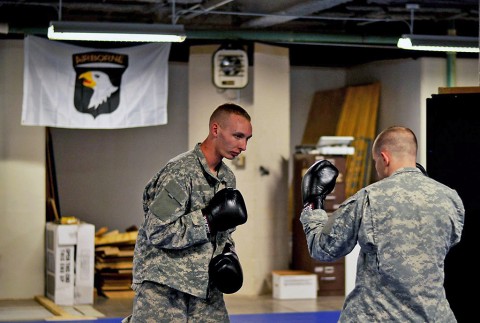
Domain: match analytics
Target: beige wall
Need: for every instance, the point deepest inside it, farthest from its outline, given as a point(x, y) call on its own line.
point(22, 185)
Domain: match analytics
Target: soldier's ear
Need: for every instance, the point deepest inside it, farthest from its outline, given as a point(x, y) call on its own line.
point(214, 128)
point(386, 158)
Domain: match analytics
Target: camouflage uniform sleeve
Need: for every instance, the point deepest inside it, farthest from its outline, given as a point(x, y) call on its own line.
point(330, 237)
point(457, 222)
point(168, 222)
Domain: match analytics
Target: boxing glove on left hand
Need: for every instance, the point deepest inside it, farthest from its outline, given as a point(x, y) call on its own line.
point(225, 271)
point(317, 183)
point(226, 210)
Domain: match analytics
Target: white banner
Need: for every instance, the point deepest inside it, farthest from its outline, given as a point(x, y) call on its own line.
point(68, 86)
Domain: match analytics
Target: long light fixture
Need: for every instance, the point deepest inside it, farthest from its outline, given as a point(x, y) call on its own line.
point(117, 32)
point(439, 43)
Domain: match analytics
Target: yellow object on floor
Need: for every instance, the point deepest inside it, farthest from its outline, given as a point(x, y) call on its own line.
point(77, 312)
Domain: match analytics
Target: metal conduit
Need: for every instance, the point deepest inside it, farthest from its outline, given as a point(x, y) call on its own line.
point(254, 35)
point(290, 37)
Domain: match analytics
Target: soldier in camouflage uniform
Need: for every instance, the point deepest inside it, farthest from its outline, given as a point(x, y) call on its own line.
point(174, 245)
point(405, 224)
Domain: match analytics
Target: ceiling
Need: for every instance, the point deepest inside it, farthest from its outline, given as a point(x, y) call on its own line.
point(318, 33)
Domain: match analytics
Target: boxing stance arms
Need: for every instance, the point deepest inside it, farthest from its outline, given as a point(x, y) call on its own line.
point(317, 183)
point(225, 211)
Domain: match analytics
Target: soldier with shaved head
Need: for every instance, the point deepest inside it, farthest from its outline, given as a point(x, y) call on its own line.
point(405, 224)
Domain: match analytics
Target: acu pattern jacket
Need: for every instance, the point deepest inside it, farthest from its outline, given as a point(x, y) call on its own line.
point(405, 225)
point(173, 247)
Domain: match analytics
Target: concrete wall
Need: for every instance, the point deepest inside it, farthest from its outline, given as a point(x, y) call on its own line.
point(101, 174)
point(22, 185)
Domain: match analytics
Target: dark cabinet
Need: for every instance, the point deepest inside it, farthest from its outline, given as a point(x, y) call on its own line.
point(453, 143)
point(331, 275)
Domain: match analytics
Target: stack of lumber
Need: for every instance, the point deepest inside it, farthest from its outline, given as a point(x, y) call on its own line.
point(114, 260)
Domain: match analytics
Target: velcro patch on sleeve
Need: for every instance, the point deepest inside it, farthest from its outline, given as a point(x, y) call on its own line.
point(170, 200)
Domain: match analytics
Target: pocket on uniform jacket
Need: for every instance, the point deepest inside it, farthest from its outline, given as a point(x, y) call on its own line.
point(170, 200)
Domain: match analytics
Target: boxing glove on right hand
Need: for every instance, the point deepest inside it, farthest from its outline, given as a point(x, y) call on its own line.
point(225, 271)
point(317, 183)
point(226, 210)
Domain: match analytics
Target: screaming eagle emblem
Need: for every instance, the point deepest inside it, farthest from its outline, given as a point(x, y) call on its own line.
point(98, 81)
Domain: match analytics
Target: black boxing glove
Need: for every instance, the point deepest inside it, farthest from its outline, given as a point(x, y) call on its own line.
point(225, 271)
point(422, 169)
point(226, 210)
point(317, 183)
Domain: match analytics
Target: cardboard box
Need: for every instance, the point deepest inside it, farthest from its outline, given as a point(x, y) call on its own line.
point(84, 264)
point(294, 284)
point(70, 263)
point(60, 273)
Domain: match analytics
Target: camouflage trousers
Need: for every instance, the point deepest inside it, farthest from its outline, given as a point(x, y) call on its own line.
point(155, 303)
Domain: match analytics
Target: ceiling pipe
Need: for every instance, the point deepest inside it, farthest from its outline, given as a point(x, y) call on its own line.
point(290, 37)
point(255, 35)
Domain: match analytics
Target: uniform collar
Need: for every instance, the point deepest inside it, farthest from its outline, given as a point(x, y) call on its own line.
point(203, 162)
point(406, 170)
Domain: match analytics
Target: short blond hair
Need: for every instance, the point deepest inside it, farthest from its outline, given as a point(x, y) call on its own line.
point(397, 140)
point(226, 109)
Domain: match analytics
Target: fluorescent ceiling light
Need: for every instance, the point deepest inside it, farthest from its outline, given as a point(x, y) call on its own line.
point(118, 32)
point(439, 43)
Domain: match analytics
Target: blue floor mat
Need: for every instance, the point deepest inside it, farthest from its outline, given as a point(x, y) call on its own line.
point(320, 317)
point(323, 317)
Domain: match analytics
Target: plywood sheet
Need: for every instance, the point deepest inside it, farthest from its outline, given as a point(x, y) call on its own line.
point(459, 89)
point(324, 115)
